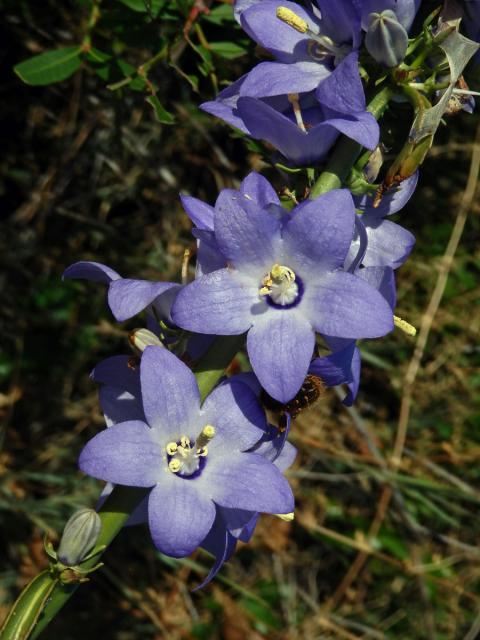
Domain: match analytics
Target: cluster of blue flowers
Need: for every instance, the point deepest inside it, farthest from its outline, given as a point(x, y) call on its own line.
point(320, 273)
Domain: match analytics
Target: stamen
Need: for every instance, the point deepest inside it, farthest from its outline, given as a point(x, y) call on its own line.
point(205, 436)
point(174, 465)
point(294, 101)
point(185, 442)
point(290, 17)
point(286, 517)
point(279, 284)
point(171, 448)
point(405, 326)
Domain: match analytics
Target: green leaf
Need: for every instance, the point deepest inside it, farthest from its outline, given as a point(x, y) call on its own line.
point(162, 115)
point(144, 6)
point(49, 67)
point(220, 14)
point(228, 50)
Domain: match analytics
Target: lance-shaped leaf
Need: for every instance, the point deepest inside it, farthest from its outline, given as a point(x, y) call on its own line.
point(49, 67)
point(459, 50)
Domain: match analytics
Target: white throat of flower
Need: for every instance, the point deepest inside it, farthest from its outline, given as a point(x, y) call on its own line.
point(279, 284)
point(320, 45)
point(185, 458)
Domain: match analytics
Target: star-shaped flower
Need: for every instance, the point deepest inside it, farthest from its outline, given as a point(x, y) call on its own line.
point(190, 457)
point(285, 280)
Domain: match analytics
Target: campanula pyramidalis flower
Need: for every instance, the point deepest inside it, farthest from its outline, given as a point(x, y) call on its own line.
point(303, 127)
point(284, 281)
point(191, 457)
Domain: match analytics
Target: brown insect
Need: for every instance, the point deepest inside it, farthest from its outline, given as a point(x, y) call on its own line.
point(310, 391)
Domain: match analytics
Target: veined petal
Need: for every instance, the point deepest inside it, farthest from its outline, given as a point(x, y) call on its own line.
point(171, 399)
point(280, 348)
point(217, 303)
point(342, 91)
point(124, 454)
point(93, 271)
point(246, 233)
point(361, 127)
point(336, 368)
point(257, 188)
point(277, 78)
point(248, 481)
point(199, 212)
point(383, 280)
point(262, 25)
point(119, 405)
point(340, 20)
point(118, 371)
point(389, 244)
point(221, 544)
point(319, 232)
point(393, 200)
point(344, 306)
point(235, 412)
point(179, 516)
point(128, 297)
point(265, 123)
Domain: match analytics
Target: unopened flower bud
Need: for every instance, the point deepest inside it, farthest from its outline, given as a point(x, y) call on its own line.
point(79, 537)
point(140, 339)
point(386, 39)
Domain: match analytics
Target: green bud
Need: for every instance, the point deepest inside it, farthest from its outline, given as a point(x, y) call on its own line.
point(79, 537)
point(386, 39)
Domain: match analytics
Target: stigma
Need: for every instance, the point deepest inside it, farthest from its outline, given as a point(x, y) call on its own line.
point(185, 456)
point(279, 285)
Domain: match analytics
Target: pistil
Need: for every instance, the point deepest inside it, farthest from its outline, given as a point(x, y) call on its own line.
point(279, 284)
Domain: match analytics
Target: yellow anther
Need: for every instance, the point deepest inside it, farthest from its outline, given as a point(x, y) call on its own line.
point(405, 326)
point(203, 452)
point(185, 442)
point(286, 517)
point(174, 465)
point(171, 448)
point(279, 272)
point(205, 436)
point(264, 291)
point(290, 17)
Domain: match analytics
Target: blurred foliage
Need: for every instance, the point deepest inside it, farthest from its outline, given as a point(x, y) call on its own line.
point(89, 170)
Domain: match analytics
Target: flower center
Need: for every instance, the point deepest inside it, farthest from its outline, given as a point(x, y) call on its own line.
point(280, 286)
point(186, 459)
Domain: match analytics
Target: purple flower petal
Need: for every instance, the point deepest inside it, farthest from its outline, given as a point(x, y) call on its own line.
point(171, 399)
point(199, 212)
point(247, 234)
point(362, 127)
point(340, 20)
point(280, 348)
point(221, 544)
point(342, 91)
point(392, 201)
point(262, 25)
point(217, 303)
point(335, 368)
point(237, 416)
point(345, 306)
point(248, 481)
point(124, 454)
point(389, 244)
point(119, 405)
point(128, 297)
point(120, 372)
point(179, 516)
point(319, 232)
point(277, 78)
point(91, 271)
point(265, 123)
point(224, 107)
point(257, 188)
point(383, 280)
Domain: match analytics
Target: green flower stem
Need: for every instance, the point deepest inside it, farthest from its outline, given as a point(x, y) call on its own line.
point(43, 598)
point(347, 151)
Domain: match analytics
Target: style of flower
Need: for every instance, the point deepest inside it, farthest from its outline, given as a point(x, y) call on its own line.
point(303, 127)
point(191, 458)
point(284, 281)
